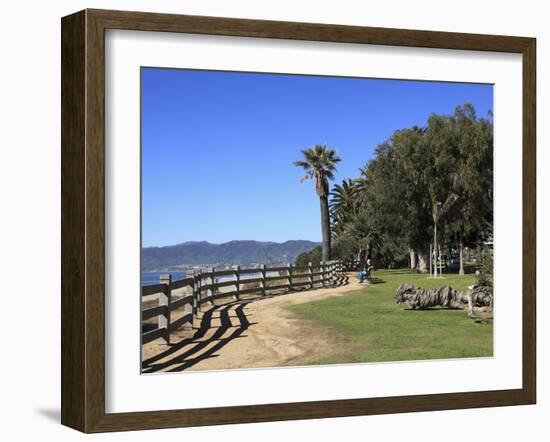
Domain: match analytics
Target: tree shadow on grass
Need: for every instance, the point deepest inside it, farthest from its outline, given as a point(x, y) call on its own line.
point(433, 309)
point(373, 281)
point(400, 271)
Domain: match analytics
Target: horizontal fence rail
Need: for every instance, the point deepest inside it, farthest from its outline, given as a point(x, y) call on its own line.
point(187, 296)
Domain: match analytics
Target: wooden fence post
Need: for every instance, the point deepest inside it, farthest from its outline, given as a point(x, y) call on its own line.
point(289, 271)
point(310, 274)
point(212, 285)
point(165, 298)
point(322, 270)
point(199, 287)
point(189, 308)
point(263, 281)
point(238, 283)
point(194, 287)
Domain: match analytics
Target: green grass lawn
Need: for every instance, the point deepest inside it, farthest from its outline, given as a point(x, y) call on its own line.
point(371, 327)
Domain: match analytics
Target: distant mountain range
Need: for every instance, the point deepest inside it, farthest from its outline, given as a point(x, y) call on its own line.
point(203, 253)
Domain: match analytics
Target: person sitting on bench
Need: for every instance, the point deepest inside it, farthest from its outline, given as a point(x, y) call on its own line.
point(365, 274)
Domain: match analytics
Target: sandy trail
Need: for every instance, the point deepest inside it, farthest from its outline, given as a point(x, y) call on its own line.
point(254, 332)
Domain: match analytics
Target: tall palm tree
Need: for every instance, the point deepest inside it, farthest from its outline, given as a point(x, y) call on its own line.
point(343, 203)
point(320, 164)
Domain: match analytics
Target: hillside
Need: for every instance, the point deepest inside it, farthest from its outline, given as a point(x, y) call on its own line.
point(203, 253)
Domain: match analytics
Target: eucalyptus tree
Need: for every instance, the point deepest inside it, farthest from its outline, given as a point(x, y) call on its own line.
point(441, 180)
point(319, 163)
point(396, 197)
point(409, 193)
point(459, 174)
point(471, 218)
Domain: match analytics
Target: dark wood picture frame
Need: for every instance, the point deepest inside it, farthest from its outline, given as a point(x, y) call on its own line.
point(83, 220)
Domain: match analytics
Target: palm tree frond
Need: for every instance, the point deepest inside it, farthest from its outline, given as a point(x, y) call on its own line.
point(321, 161)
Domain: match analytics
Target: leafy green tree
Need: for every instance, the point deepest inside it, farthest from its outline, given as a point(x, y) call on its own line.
point(441, 180)
point(320, 164)
point(470, 220)
point(312, 256)
point(430, 185)
point(394, 200)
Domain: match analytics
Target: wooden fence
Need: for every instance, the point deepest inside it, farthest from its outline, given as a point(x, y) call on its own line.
point(179, 301)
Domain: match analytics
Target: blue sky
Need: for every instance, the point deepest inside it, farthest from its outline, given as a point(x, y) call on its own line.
point(218, 147)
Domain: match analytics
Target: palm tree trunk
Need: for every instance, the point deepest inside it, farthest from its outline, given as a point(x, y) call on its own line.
point(325, 228)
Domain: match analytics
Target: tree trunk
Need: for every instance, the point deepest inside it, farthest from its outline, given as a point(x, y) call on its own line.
point(325, 229)
point(412, 255)
point(434, 257)
point(440, 262)
point(361, 255)
point(422, 267)
point(461, 254)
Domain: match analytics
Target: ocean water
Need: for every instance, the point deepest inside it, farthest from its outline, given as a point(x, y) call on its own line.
point(151, 278)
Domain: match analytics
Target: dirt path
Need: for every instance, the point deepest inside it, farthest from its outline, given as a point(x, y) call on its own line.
point(257, 332)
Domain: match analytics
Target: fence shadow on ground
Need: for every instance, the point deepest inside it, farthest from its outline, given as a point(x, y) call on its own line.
point(190, 351)
point(198, 348)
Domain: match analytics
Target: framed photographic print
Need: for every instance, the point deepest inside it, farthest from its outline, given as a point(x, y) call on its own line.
point(271, 220)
